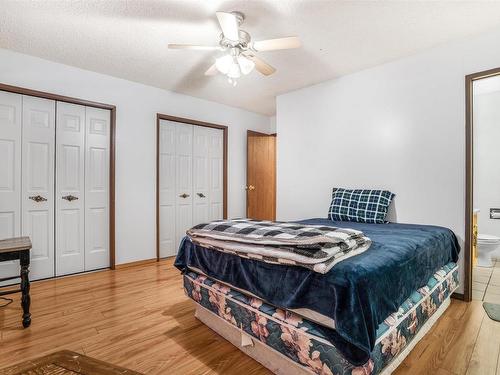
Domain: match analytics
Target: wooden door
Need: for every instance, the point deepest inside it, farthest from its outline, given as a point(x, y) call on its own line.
point(70, 189)
point(261, 176)
point(97, 143)
point(38, 183)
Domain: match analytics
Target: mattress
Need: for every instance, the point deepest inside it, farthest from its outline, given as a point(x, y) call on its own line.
point(356, 295)
point(304, 342)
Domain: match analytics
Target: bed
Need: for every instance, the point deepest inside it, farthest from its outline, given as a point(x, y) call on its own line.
point(362, 317)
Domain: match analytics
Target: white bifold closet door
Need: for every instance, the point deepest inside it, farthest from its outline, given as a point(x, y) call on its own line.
point(27, 142)
point(82, 189)
point(183, 181)
point(207, 174)
point(54, 183)
point(70, 189)
point(10, 172)
point(97, 188)
point(190, 180)
point(176, 179)
point(37, 198)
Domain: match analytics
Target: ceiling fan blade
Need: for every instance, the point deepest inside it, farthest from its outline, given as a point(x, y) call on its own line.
point(261, 65)
point(211, 71)
point(275, 44)
point(229, 25)
point(194, 47)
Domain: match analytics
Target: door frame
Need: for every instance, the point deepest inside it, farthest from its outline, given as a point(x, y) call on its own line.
point(259, 134)
point(160, 116)
point(112, 149)
point(469, 175)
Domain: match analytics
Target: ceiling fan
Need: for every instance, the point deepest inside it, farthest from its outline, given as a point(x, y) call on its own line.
point(239, 50)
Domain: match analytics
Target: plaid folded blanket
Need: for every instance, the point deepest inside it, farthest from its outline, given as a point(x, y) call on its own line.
point(315, 247)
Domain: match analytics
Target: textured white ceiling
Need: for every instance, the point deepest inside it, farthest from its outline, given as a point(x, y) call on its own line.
point(128, 39)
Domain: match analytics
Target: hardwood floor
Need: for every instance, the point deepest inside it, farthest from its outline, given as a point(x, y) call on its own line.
point(138, 317)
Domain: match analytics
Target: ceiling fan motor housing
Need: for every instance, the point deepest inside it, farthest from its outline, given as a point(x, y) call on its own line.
point(243, 37)
point(242, 43)
point(239, 16)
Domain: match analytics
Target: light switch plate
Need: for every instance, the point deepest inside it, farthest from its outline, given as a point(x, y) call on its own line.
point(494, 213)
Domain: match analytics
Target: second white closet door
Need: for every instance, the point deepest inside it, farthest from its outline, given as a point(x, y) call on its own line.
point(166, 189)
point(38, 183)
point(97, 123)
point(10, 173)
point(70, 189)
point(201, 175)
point(175, 184)
point(216, 173)
point(207, 174)
point(190, 180)
point(184, 181)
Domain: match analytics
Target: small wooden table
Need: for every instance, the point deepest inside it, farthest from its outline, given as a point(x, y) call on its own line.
point(14, 249)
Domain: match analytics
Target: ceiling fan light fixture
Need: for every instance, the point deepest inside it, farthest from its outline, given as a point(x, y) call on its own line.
point(234, 70)
point(223, 63)
point(233, 65)
point(246, 65)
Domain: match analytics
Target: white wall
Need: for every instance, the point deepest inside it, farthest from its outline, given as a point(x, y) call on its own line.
point(487, 159)
point(398, 126)
point(137, 106)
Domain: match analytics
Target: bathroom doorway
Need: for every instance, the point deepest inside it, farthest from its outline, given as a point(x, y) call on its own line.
point(482, 216)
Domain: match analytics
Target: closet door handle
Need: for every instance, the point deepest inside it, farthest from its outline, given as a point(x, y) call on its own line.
point(201, 195)
point(38, 198)
point(69, 198)
point(184, 195)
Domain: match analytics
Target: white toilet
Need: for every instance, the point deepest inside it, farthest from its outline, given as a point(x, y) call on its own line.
point(486, 245)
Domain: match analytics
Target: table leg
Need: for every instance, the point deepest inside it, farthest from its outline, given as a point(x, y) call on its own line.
point(25, 289)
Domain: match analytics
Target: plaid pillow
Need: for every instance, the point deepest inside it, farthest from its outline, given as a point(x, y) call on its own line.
point(364, 206)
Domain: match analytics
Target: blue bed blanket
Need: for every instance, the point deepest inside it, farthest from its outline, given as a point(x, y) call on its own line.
point(358, 293)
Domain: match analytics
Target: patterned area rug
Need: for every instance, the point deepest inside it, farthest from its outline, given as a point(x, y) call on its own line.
point(66, 363)
point(493, 310)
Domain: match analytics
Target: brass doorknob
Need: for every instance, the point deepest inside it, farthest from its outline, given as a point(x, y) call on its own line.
point(251, 187)
point(69, 198)
point(37, 198)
